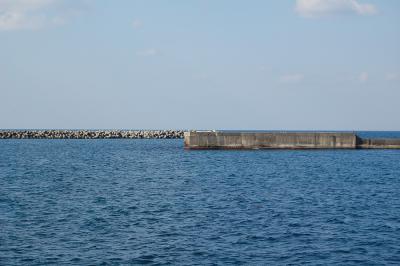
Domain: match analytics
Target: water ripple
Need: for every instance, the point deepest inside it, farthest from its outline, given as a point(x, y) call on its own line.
point(131, 202)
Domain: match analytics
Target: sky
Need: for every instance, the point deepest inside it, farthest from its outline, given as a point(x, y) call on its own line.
point(200, 64)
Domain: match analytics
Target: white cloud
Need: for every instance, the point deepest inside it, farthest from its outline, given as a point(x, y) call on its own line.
point(363, 77)
point(201, 76)
point(292, 78)
point(392, 76)
point(34, 14)
point(137, 24)
point(148, 52)
point(319, 8)
point(22, 14)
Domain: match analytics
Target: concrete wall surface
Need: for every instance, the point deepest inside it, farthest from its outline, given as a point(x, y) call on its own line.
point(378, 143)
point(269, 140)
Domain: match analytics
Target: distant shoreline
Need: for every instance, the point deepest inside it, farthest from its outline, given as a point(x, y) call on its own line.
point(91, 134)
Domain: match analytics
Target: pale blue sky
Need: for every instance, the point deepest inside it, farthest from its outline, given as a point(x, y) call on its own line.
point(205, 64)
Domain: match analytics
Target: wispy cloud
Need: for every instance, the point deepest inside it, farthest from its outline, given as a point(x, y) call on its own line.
point(148, 52)
point(137, 24)
point(291, 78)
point(201, 76)
point(320, 8)
point(363, 77)
point(392, 76)
point(33, 14)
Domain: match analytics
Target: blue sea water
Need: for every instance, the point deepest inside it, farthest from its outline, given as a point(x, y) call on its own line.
point(130, 202)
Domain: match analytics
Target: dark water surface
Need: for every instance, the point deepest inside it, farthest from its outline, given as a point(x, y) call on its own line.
point(129, 202)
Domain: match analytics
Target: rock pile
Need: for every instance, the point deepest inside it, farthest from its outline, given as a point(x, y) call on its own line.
point(91, 134)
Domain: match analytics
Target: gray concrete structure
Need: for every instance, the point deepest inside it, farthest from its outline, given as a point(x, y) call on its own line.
point(282, 140)
point(378, 143)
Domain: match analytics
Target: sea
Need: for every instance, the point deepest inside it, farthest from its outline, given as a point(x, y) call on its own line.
point(151, 202)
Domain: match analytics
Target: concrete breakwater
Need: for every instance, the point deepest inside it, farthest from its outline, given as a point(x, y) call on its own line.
point(284, 140)
point(91, 134)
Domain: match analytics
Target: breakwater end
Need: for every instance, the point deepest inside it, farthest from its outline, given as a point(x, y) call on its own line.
point(91, 134)
point(283, 140)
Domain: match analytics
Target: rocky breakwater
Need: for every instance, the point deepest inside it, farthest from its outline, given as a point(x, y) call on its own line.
point(91, 134)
